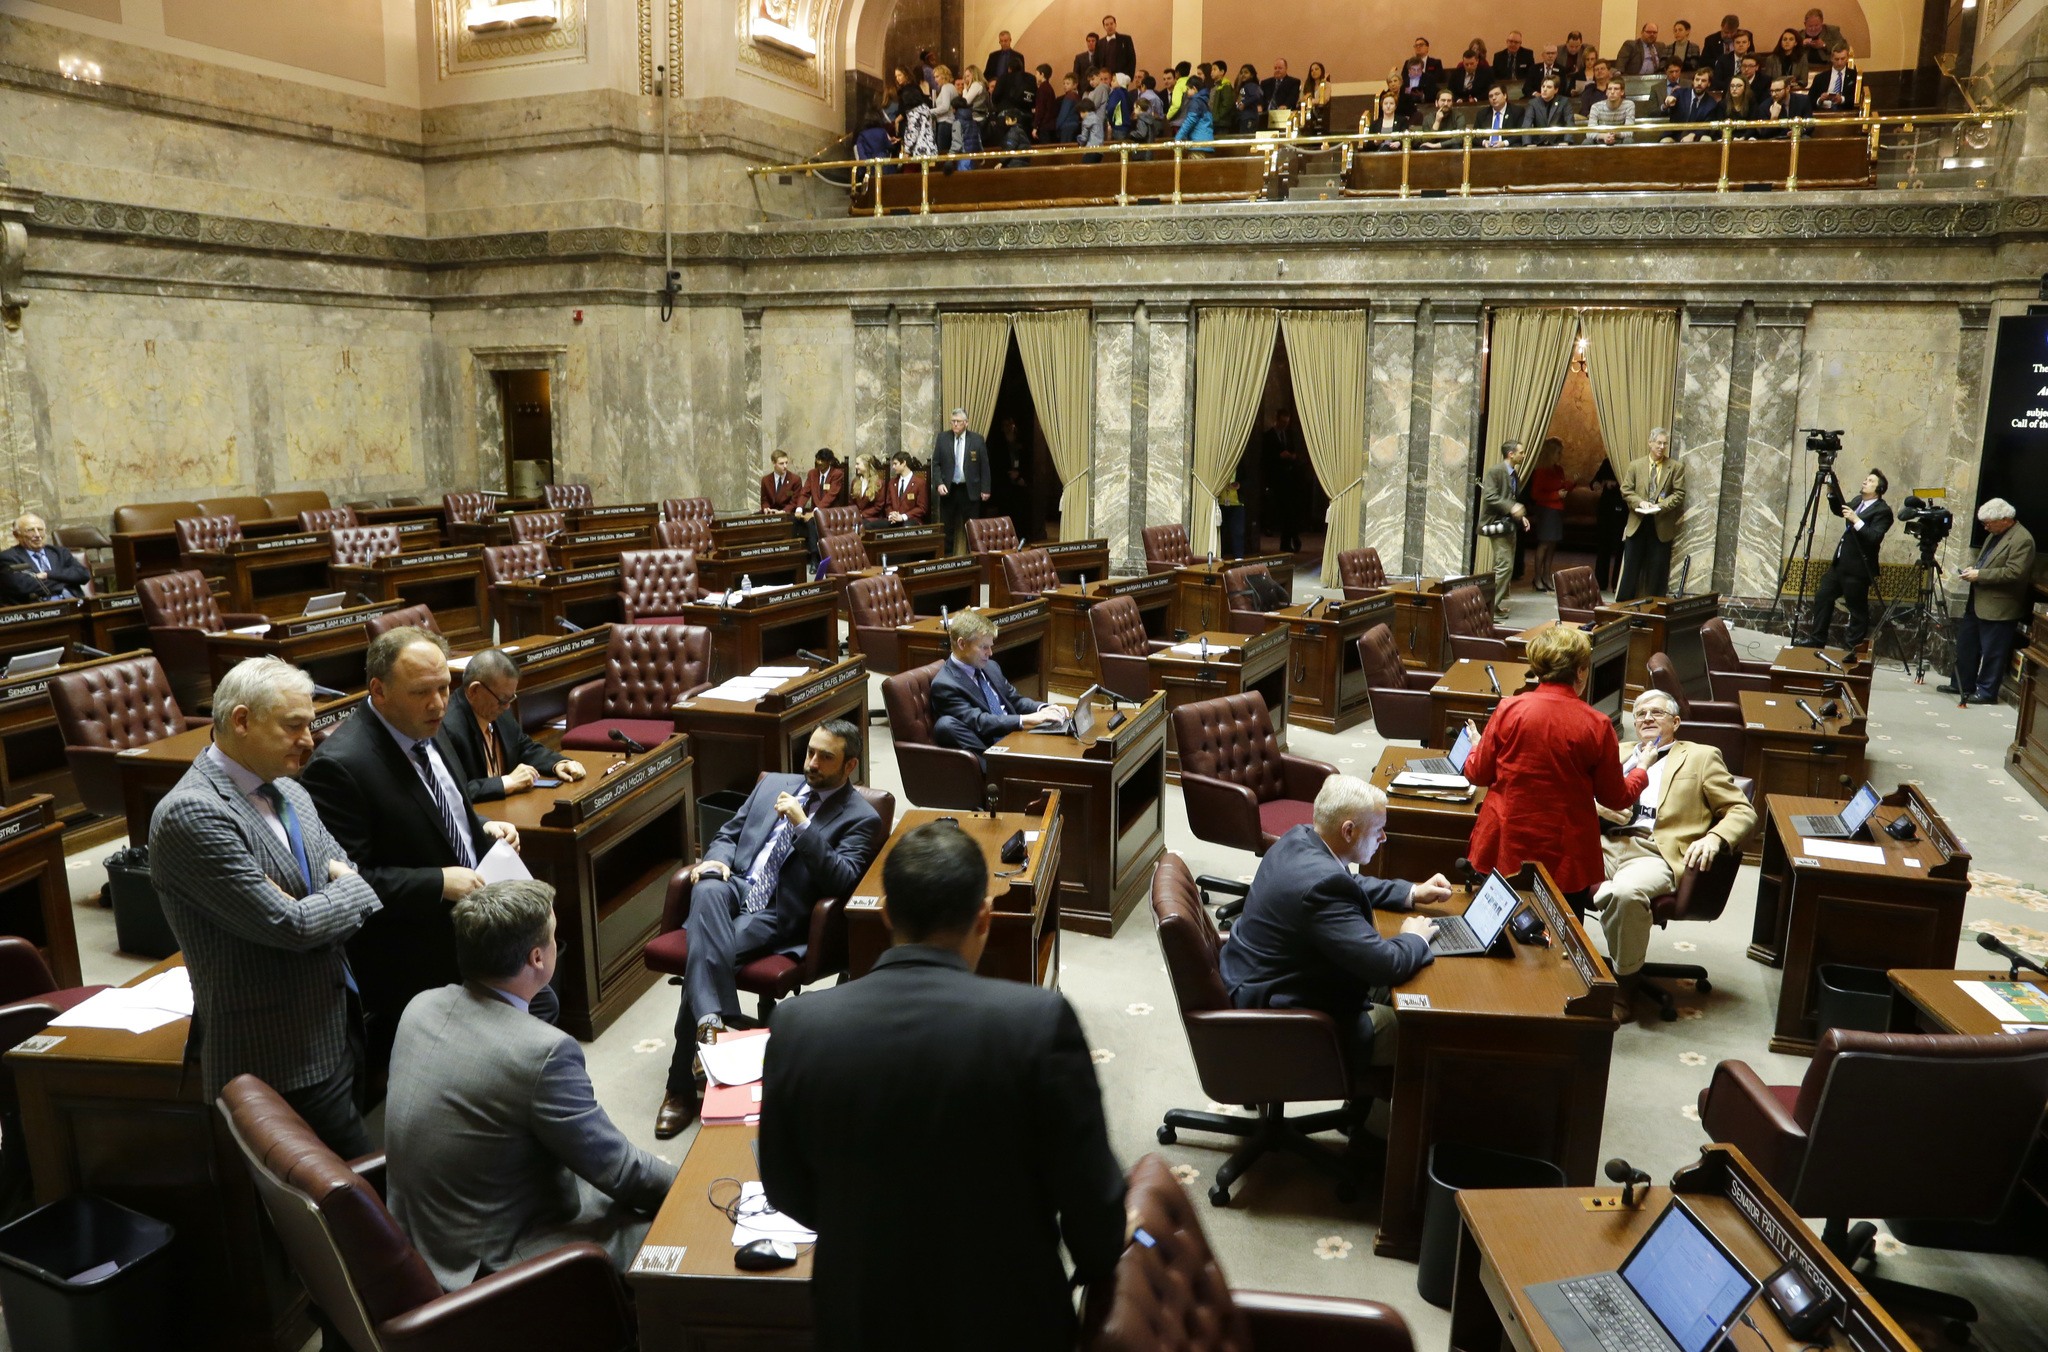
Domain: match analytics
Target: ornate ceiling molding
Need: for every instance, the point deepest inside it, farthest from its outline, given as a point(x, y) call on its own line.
point(465, 53)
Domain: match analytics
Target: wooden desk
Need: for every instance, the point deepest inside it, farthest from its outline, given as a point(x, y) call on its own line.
point(950, 584)
point(2027, 757)
point(37, 625)
point(1073, 560)
point(35, 891)
point(1785, 754)
point(1420, 631)
point(768, 624)
point(114, 621)
point(767, 563)
point(1466, 691)
point(1512, 1053)
point(1020, 644)
point(736, 743)
point(1513, 1238)
point(1668, 625)
point(150, 772)
point(144, 553)
point(121, 1116)
point(1326, 682)
point(1424, 835)
point(1904, 912)
point(1074, 663)
point(533, 607)
point(1024, 933)
point(549, 667)
point(330, 646)
point(269, 575)
point(1199, 604)
point(1803, 669)
point(448, 581)
point(32, 759)
point(1112, 793)
point(902, 544)
point(1237, 663)
point(608, 844)
point(707, 1304)
point(583, 548)
point(425, 522)
point(749, 528)
point(1610, 662)
point(641, 516)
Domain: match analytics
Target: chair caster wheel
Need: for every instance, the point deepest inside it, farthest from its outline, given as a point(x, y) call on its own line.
point(1668, 1014)
point(1219, 1196)
point(1703, 986)
point(1167, 1136)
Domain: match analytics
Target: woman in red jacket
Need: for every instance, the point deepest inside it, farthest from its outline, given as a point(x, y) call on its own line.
point(1545, 758)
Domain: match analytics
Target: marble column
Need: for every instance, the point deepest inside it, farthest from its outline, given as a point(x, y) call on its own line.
point(1966, 433)
point(1421, 404)
point(918, 417)
point(1169, 421)
point(1773, 489)
point(1454, 337)
point(1117, 434)
point(753, 449)
point(1704, 425)
point(874, 383)
point(1389, 401)
point(721, 464)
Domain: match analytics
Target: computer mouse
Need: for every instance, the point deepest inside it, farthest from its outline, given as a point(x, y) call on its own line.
point(764, 1255)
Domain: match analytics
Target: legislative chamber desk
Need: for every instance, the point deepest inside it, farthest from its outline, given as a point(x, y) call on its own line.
point(120, 1115)
point(419, 525)
point(781, 561)
point(32, 759)
point(581, 549)
point(767, 625)
point(1802, 669)
point(1428, 831)
point(949, 584)
point(1023, 934)
point(1904, 912)
point(448, 580)
point(1074, 665)
point(1021, 647)
point(1326, 681)
point(329, 646)
point(114, 621)
point(533, 607)
point(1238, 663)
point(1420, 630)
point(1786, 754)
point(2027, 757)
point(1668, 625)
point(1466, 691)
point(905, 543)
point(1513, 1238)
point(608, 844)
point(36, 625)
point(640, 516)
point(1610, 661)
point(735, 743)
point(1074, 560)
point(1112, 792)
point(35, 891)
point(749, 528)
point(269, 575)
point(1198, 599)
point(150, 772)
point(1511, 1054)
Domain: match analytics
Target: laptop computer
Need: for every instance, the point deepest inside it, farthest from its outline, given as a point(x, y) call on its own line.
point(1679, 1290)
point(1828, 826)
point(326, 601)
point(28, 664)
point(1464, 936)
point(1453, 764)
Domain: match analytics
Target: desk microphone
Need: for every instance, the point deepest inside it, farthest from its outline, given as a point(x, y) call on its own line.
point(810, 656)
point(1821, 653)
point(990, 799)
point(1621, 1171)
point(1807, 709)
point(568, 626)
point(1492, 679)
point(366, 599)
point(632, 747)
point(328, 692)
point(1319, 601)
point(2011, 955)
point(79, 650)
point(1468, 877)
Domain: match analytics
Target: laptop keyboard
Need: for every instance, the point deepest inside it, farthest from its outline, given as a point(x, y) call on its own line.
point(1434, 765)
point(1616, 1317)
point(1814, 824)
point(1453, 933)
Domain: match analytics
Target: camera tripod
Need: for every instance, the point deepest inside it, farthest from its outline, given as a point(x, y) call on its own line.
point(1914, 623)
point(1801, 547)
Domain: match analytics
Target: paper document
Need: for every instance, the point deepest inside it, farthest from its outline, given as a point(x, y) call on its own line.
point(1422, 779)
point(740, 690)
point(1195, 649)
point(457, 661)
point(758, 1220)
point(1835, 849)
point(253, 630)
point(2009, 1001)
point(502, 864)
point(165, 997)
point(777, 674)
point(736, 1057)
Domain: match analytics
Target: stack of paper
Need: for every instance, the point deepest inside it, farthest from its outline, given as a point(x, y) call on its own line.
point(758, 1220)
point(135, 1009)
point(733, 1067)
point(743, 689)
point(1194, 649)
point(777, 674)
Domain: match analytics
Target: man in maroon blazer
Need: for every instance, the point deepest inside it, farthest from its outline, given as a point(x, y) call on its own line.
point(906, 501)
point(781, 491)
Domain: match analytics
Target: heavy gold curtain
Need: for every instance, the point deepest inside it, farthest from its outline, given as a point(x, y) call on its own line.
point(1326, 354)
point(1056, 347)
point(1233, 354)
point(972, 350)
point(1530, 352)
point(1632, 361)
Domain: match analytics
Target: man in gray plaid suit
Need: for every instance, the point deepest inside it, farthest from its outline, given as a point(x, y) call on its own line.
point(261, 899)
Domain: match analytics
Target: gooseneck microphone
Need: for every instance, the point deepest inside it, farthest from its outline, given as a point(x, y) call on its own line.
point(567, 625)
point(635, 748)
point(1621, 1171)
point(1492, 679)
point(812, 657)
point(1807, 709)
point(2011, 955)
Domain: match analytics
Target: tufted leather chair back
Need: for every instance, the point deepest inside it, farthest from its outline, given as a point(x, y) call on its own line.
point(686, 509)
point(1172, 1292)
point(844, 554)
point(1664, 676)
point(282, 505)
point(684, 532)
point(647, 667)
point(1231, 738)
point(878, 603)
point(1578, 594)
point(1719, 645)
point(1027, 572)
point(908, 697)
point(1237, 586)
point(212, 533)
point(463, 507)
point(838, 520)
point(361, 544)
point(991, 535)
point(137, 516)
point(1466, 613)
point(1381, 658)
point(537, 526)
point(416, 617)
point(657, 582)
point(1167, 545)
point(560, 497)
point(1187, 938)
point(503, 563)
point(116, 705)
point(1360, 568)
point(328, 518)
point(1119, 627)
point(179, 600)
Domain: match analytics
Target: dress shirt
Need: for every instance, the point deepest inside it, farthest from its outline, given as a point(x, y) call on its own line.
point(444, 786)
point(1496, 119)
point(509, 998)
point(1645, 816)
point(903, 485)
point(251, 784)
point(981, 684)
point(959, 457)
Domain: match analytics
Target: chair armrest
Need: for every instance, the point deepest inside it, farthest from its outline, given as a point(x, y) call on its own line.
point(1130, 677)
point(1267, 1055)
point(371, 1169)
point(1714, 711)
point(1422, 682)
point(192, 721)
point(1303, 777)
point(586, 703)
point(675, 904)
point(880, 643)
point(1729, 685)
point(569, 1300)
point(238, 619)
point(23, 973)
point(696, 690)
point(1249, 621)
point(1739, 1109)
point(941, 777)
point(826, 951)
point(1321, 1323)
point(1228, 813)
point(1478, 648)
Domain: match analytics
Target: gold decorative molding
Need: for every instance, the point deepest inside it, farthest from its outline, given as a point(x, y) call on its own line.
point(462, 52)
point(650, 40)
point(812, 22)
point(645, 28)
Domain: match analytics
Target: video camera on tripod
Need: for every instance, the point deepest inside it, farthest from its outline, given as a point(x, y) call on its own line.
point(1824, 443)
point(1927, 520)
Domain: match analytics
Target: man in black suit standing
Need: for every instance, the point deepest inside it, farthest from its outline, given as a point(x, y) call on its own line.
point(873, 1089)
point(493, 754)
point(1848, 578)
point(35, 569)
point(1420, 75)
point(1282, 90)
point(961, 476)
point(1004, 60)
point(1114, 51)
point(1514, 62)
point(796, 840)
point(389, 789)
point(973, 706)
point(1085, 62)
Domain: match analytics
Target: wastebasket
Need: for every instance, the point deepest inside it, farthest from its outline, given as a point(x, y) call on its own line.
point(1452, 1169)
point(84, 1274)
point(1853, 997)
point(714, 810)
point(139, 924)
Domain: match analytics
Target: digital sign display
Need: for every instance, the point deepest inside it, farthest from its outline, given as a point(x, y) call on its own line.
point(2015, 464)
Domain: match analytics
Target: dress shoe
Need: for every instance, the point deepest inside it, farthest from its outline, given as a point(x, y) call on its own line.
point(1946, 689)
point(1982, 699)
point(677, 1111)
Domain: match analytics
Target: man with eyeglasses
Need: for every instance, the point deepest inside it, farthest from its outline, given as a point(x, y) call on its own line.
point(493, 753)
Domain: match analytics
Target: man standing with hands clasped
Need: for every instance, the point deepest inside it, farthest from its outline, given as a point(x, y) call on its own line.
point(1654, 488)
point(961, 476)
point(1501, 517)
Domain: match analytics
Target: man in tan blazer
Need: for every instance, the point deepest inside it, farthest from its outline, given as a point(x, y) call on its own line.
point(1691, 810)
point(1654, 489)
point(2001, 582)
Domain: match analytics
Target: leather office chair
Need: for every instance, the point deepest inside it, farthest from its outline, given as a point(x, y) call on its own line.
point(561, 497)
point(509, 563)
point(1121, 645)
point(180, 611)
point(686, 509)
point(684, 532)
point(773, 976)
point(141, 516)
point(94, 550)
point(283, 506)
point(1400, 697)
point(875, 606)
point(647, 668)
point(29, 999)
point(371, 1283)
point(462, 508)
point(417, 617)
point(397, 500)
point(1027, 572)
point(107, 709)
point(1263, 1058)
point(206, 534)
point(843, 554)
point(655, 585)
point(1171, 1293)
point(328, 518)
point(1699, 895)
point(1166, 548)
point(537, 527)
point(1246, 616)
point(1241, 789)
point(356, 546)
point(246, 507)
point(933, 775)
point(1838, 1145)
point(1729, 673)
point(1578, 594)
point(1714, 722)
point(1359, 573)
point(1468, 619)
point(992, 535)
point(840, 520)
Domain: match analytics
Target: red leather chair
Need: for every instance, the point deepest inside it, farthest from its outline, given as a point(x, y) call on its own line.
point(29, 999)
point(354, 546)
point(1400, 697)
point(1729, 673)
point(841, 520)
point(537, 527)
point(1240, 788)
point(684, 532)
point(687, 509)
point(1266, 1058)
point(933, 775)
point(647, 668)
point(180, 611)
point(1121, 645)
point(328, 518)
point(561, 497)
point(416, 617)
point(774, 976)
point(371, 1283)
point(1245, 615)
point(875, 606)
point(206, 534)
point(1360, 574)
point(1469, 621)
point(507, 563)
point(1171, 1293)
point(1166, 548)
point(844, 554)
point(1027, 572)
point(463, 508)
point(109, 708)
point(655, 585)
point(1714, 722)
point(992, 535)
point(1578, 594)
point(1700, 895)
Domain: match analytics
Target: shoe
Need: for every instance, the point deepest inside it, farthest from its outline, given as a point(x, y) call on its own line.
point(1946, 689)
point(677, 1111)
point(1981, 699)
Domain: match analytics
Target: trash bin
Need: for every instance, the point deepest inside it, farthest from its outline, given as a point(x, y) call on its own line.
point(714, 810)
point(83, 1275)
point(1859, 998)
point(139, 924)
point(1452, 1169)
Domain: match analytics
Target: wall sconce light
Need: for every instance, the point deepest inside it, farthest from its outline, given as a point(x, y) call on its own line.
point(79, 69)
point(510, 14)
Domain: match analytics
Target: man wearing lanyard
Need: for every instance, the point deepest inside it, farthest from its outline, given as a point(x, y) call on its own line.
point(35, 569)
point(493, 754)
point(1501, 516)
point(1654, 488)
point(973, 706)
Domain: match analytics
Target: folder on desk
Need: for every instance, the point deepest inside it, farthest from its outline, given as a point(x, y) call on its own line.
point(731, 1104)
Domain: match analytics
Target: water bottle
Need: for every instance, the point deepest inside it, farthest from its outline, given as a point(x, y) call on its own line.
point(746, 584)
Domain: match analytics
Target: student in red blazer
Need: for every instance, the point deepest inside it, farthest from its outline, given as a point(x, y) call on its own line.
point(781, 491)
point(865, 492)
point(906, 500)
point(1545, 758)
point(824, 486)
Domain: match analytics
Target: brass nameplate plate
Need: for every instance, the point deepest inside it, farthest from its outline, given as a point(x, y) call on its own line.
point(272, 544)
point(37, 614)
point(814, 687)
point(601, 573)
point(113, 601)
point(566, 646)
point(596, 537)
point(427, 558)
point(321, 624)
point(620, 783)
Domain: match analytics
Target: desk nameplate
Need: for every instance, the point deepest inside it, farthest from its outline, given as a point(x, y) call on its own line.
point(805, 689)
point(392, 563)
point(271, 544)
point(568, 645)
point(331, 715)
point(38, 613)
point(595, 537)
point(624, 779)
point(773, 549)
point(1059, 549)
point(321, 624)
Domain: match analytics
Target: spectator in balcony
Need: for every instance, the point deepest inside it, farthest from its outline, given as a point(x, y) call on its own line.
point(1282, 90)
point(1595, 89)
point(1045, 104)
point(1315, 98)
point(1420, 76)
point(945, 95)
point(927, 71)
point(1470, 81)
point(919, 139)
point(1085, 63)
point(1818, 39)
point(1477, 47)
point(1442, 119)
point(1386, 119)
point(1738, 106)
point(1514, 62)
point(874, 141)
point(1574, 58)
point(1781, 103)
point(1498, 118)
point(1222, 99)
point(1682, 47)
point(1720, 44)
point(1195, 121)
point(1640, 55)
point(1119, 111)
point(1251, 100)
point(1004, 59)
point(1753, 77)
point(1148, 110)
point(1116, 52)
point(1547, 68)
point(1066, 117)
point(1608, 121)
point(1728, 65)
point(1548, 109)
point(1787, 58)
point(1695, 107)
point(970, 107)
point(1834, 89)
point(1675, 85)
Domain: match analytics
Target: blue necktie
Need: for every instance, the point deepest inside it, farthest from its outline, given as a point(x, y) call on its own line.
point(42, 561)
point(779, 845)
point(282, 806)
point(988, 691)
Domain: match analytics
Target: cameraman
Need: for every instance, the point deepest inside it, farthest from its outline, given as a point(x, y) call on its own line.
point(1999, 585)
point(1848, 578)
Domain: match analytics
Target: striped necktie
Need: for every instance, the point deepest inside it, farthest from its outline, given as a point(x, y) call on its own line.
point(451, 823)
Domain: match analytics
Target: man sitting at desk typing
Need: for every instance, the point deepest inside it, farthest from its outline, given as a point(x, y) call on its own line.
point(493, 754)
point(973, 706)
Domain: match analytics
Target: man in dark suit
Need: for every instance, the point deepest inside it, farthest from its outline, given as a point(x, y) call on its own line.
point(872, 1089)
point(1640, 55)
point(1004, 60)
point(1549, 67)
point(1694, 107)
point(1085, 62)
point(35, 569)
point(1420, 76)
point(1470, 81)
point(906, 496)
point(1548, 109)
point(1514, 62)
point(1114, 51)
point(973, 706)
point(796, 840)
point(493, 755)
point(1282, 90)
point(961, 476)
point(1848, 578)
point(781, 490)
point(1833, 87)
point(390, 790)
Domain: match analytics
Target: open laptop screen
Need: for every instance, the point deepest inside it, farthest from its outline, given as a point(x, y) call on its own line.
point(1490, 910)
point(1687, 1280)
point(1859, 809)
point(1461, 748)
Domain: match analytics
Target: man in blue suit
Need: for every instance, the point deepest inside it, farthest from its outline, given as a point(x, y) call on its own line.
point(973, 705)
point(961, 477)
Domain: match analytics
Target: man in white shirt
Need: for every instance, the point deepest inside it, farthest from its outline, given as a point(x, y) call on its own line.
point(1497, 118)
point(961, 476)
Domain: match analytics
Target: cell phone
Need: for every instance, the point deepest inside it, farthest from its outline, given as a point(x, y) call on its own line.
point(547, 783)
